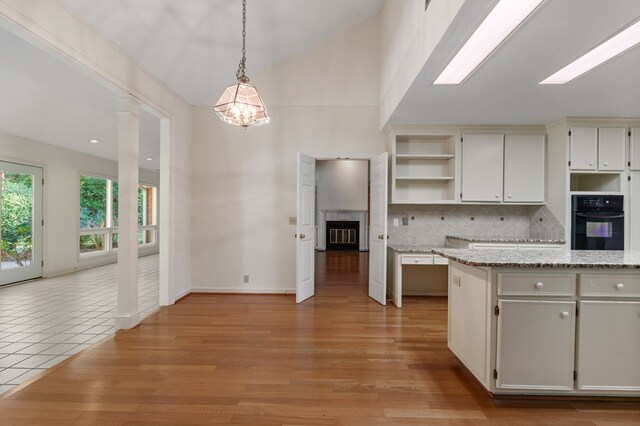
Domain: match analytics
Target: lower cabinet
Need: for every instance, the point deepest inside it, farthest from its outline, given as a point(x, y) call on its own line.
point(535, 344)
point(609, 345)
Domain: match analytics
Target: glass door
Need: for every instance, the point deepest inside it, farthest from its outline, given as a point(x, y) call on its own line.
point(21, 224)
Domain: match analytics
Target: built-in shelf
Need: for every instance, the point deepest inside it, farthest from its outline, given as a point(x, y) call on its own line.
point(595, 182)
point(424, 178)
point(423, 169)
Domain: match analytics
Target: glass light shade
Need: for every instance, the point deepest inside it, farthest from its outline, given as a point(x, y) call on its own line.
point(241, 105)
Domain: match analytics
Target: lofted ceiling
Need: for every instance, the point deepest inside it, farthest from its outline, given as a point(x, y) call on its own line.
point(194, 46)
point(505, 90)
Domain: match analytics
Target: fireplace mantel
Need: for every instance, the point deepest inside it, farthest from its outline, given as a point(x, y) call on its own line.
point(323, 216)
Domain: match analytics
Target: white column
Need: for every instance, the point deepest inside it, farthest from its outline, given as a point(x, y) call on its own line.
point(128, 151)
point(164, 225)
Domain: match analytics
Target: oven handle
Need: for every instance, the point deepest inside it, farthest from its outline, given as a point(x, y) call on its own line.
point(596, 216)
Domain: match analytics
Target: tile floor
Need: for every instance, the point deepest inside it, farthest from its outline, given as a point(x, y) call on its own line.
point(44, 322)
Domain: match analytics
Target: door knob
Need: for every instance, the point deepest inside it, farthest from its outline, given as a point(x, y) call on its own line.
point(295, 236)
point(381, 237)
point(302, 236)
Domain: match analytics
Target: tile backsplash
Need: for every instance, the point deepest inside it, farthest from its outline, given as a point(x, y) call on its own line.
point(430, 224)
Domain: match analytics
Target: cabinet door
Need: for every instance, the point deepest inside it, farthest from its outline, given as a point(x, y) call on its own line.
point(611, 148)
point(634, 212)
point(634, 155)
point(482, 167)
point(584, 148)
point(609, 345)
point(524, 168)
point(535, 345)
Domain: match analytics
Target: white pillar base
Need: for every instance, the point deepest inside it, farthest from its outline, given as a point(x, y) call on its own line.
point(125, 322)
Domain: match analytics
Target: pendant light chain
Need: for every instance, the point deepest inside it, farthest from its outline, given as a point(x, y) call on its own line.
point(241, 74)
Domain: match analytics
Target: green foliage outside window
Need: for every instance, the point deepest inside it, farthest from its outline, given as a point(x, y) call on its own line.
point(17, 217)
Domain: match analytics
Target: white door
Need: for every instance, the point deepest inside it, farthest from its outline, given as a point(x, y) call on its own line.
point(608, 351)
point(378, 229)
point(21, 226)
point(482, 167)
point(524, 175)
point(584, 148)
point(611, 148)
point(305, 247)
point(536, 341)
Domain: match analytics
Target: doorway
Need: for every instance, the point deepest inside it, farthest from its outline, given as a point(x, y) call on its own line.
point(21, 224)
point(341, 204)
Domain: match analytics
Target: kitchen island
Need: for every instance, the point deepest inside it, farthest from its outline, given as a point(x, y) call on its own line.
point(546, 322)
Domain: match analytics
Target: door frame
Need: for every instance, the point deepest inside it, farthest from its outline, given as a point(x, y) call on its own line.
point(328, 157)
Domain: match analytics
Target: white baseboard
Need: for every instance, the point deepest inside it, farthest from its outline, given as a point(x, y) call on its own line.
point(181, 295)
point(243, 290)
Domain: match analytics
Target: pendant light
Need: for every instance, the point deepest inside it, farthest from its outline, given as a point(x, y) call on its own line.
point(240, 104)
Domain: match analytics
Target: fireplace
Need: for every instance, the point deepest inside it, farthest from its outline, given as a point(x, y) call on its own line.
point(343, 235)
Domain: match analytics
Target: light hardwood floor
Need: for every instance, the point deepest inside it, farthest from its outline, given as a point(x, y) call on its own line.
point(339, 358)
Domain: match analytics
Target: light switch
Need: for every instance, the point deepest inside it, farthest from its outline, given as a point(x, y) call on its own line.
point(396, 222)
point(293, 220)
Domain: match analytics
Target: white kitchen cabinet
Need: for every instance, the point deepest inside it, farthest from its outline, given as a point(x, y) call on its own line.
point(634, 156)
point(524, 168)
point(482, 167)
point(609, 345)
point(598, 149)
point(584, 148)
point(611, 148)
point(535, 345)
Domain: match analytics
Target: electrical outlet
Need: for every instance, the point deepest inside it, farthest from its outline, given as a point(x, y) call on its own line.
point(456, 280)
point(405, 221)
point(246, 279)
point(396, 222)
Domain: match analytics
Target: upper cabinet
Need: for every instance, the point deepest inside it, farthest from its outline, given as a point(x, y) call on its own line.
point(524, 168)
point(597, 149)
point(503, 168)
point(634, 155)
point(482, 167)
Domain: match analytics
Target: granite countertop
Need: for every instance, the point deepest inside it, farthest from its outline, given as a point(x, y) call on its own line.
point(408, 248)
point(473, 239)
point(544, 258)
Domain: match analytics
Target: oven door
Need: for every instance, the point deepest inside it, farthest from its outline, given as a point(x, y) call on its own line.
point(598, 231)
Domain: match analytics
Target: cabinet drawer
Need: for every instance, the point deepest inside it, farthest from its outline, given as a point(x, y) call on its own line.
point(418, 260)
point(439, 260)
point(513, 284)
point(610, 285)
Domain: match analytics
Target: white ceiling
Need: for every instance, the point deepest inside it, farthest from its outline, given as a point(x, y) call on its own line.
point(194, 46)
point(505, 90)
point(47, 100)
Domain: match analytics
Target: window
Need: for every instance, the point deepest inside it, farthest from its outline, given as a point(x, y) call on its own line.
point(99, 215)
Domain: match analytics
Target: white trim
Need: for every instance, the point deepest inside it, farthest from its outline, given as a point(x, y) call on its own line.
point(291, 290)
point(182, 294)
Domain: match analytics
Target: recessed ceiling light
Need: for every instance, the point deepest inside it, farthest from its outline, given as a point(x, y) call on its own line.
point(149, 158)
point(501, 21)
point(94, 141)
point(616, 45)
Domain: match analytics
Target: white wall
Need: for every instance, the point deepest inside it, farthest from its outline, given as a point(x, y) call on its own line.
point(322, 101)
point(409, 36)
point(48, 25)
point(61, 196)
point(342, 185)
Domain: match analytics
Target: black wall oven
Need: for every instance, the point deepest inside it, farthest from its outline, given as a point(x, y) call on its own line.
point(597, 222)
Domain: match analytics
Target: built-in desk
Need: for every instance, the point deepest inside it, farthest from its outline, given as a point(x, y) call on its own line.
point(401, 255)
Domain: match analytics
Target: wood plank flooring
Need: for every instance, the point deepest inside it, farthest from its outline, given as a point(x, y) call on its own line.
point(338, 358)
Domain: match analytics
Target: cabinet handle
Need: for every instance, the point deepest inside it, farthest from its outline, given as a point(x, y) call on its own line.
point(539, 284)
point(416, 261)
point(591, 163)
point(619, 286)
point(606, 164)
point(565, 314)
point(497, 195)
point(510, 196)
